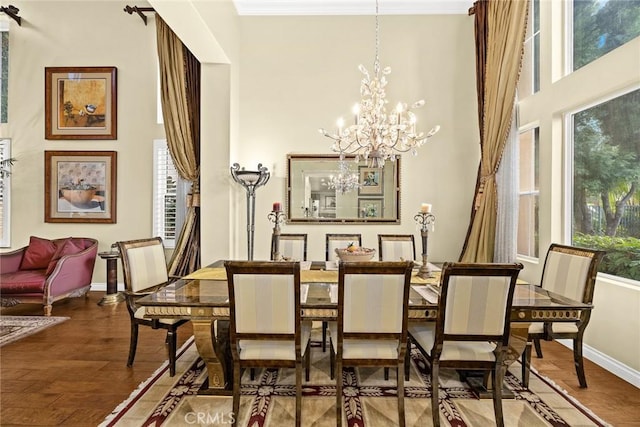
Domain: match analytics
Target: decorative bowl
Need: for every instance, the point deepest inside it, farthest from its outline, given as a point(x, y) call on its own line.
point(361, 254)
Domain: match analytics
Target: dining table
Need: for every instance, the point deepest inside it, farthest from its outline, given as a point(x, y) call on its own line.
point(202, 297)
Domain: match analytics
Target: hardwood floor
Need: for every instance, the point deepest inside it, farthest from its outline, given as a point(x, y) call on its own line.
point(75, 373)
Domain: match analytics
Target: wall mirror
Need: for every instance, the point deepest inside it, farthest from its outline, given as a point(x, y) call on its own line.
point(311, 199)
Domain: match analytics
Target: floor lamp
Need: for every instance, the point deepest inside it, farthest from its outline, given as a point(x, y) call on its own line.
point(250, 180)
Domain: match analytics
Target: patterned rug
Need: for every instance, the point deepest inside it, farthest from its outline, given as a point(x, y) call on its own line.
point(13, 328)
point(369, 400)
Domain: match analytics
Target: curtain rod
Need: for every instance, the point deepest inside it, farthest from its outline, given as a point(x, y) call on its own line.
point(12, 11)
point(140, 11)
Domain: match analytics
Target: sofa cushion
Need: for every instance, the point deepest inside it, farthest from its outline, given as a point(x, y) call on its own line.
point(38, 254)
point(67, 246)
point(23, 282)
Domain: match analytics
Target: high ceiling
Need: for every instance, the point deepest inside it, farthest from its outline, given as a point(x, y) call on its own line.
point(351, 7)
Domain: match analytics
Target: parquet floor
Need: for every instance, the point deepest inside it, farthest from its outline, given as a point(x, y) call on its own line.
point(75, 373)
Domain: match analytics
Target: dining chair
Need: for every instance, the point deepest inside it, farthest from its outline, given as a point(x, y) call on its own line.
point(333, 241)
point(293, 247)
point(472, 329)
point(144, 270)
point(265, 326)
point(396, 247)
point(359, 338)
point(571, 272)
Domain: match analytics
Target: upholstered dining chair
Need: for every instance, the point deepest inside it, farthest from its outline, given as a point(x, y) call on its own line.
point(293, 246)
point(571, 272)
point(359, 338)
point(144, 269)
point(334, 241)
point(473, 325)
point(396, 247)
point(265, 326)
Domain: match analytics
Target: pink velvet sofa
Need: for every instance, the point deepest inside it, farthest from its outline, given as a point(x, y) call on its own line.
point(47, 271)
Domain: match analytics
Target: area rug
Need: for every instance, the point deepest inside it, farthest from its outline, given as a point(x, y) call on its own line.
point(13, 328)
point(369, 400)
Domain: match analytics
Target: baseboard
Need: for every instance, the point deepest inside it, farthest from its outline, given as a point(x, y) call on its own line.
point(612, 365)
point(102, 287)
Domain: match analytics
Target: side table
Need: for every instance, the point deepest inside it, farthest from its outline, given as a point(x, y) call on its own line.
point(112, 295)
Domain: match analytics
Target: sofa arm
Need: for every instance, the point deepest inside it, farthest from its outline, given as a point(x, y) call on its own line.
point(10, 261)
point(72, 272)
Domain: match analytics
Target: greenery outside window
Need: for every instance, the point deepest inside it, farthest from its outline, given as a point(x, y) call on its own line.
point(606, 182)
point(528, 194)
point(600, 26)
point(169, 194)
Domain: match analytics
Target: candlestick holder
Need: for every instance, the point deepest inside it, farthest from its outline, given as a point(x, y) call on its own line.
point(425, 220)
point(277, 218)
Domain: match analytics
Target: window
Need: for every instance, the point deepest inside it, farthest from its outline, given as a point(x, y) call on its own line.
point(529, 82)
point(528, 194)
point(4, 71)
point(599, 26)
point(606, 182)
point(5, 192)
point(169, 189)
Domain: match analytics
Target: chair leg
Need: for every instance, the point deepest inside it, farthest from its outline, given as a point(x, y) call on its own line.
point(579, 361)
point(332, 361)
point(171, 349)
point(324, 336)
point(526, 365)
point(236, 393)
point(339, 393)
point(536, 343)
point(133, 344)
point(307, 366)
point(401, 394)
point(252, 373)
point(47, 310)
point(386, 373)
point(407, 362)
point(298, 393)
point(498, 376)
point(435, 402)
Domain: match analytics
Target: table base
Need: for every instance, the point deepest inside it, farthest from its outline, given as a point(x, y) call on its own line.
point(110, 299)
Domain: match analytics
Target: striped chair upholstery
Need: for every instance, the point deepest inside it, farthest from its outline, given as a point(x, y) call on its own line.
point(396, 247)
point(472, 329)
point(144, 269)
point(265, 324)
point(293, 246)
point(570, 272)
point(360, 339)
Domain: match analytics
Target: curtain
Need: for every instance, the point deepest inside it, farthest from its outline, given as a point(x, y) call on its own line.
point(180, 95)
point(500, 30)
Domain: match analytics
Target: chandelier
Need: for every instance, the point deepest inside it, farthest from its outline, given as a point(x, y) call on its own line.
point(378, 135)
point(346, 180)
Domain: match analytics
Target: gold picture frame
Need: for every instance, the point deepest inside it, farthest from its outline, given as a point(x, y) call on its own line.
point(80, 186)
point(80, 102)
point(370, 208)
point(371, 181)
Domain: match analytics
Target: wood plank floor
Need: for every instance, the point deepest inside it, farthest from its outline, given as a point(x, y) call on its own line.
point(75, 374)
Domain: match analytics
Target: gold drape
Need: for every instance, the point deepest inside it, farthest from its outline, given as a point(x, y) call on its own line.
point(500, 31)
point(180, 95)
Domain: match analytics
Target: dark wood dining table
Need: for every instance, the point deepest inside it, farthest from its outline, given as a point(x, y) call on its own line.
point(202, 297)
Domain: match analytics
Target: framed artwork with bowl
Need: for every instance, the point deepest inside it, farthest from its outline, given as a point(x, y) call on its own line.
point(80, 186)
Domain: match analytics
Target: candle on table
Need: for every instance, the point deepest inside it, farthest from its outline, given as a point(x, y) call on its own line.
point(277, 207)
point(425, 208)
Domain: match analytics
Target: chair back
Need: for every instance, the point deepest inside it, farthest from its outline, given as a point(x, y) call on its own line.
point(293, 246)
point(373, 287)
point(143, 264)
point(264, 300)
point(475, 302)
point(396, 247)
point(334, 241)
point(571, 271)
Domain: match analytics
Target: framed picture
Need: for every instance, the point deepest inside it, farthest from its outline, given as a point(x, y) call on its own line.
point(330, 202)
point(80, 186)
point(370, 208)
point(80, 103)
point(370, 180)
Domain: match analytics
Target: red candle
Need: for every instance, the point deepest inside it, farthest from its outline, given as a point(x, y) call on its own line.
point(277, 207)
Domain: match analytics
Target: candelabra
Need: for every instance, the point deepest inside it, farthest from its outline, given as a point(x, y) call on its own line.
point(277, 217)
point(425, 220)
point(250, 180)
